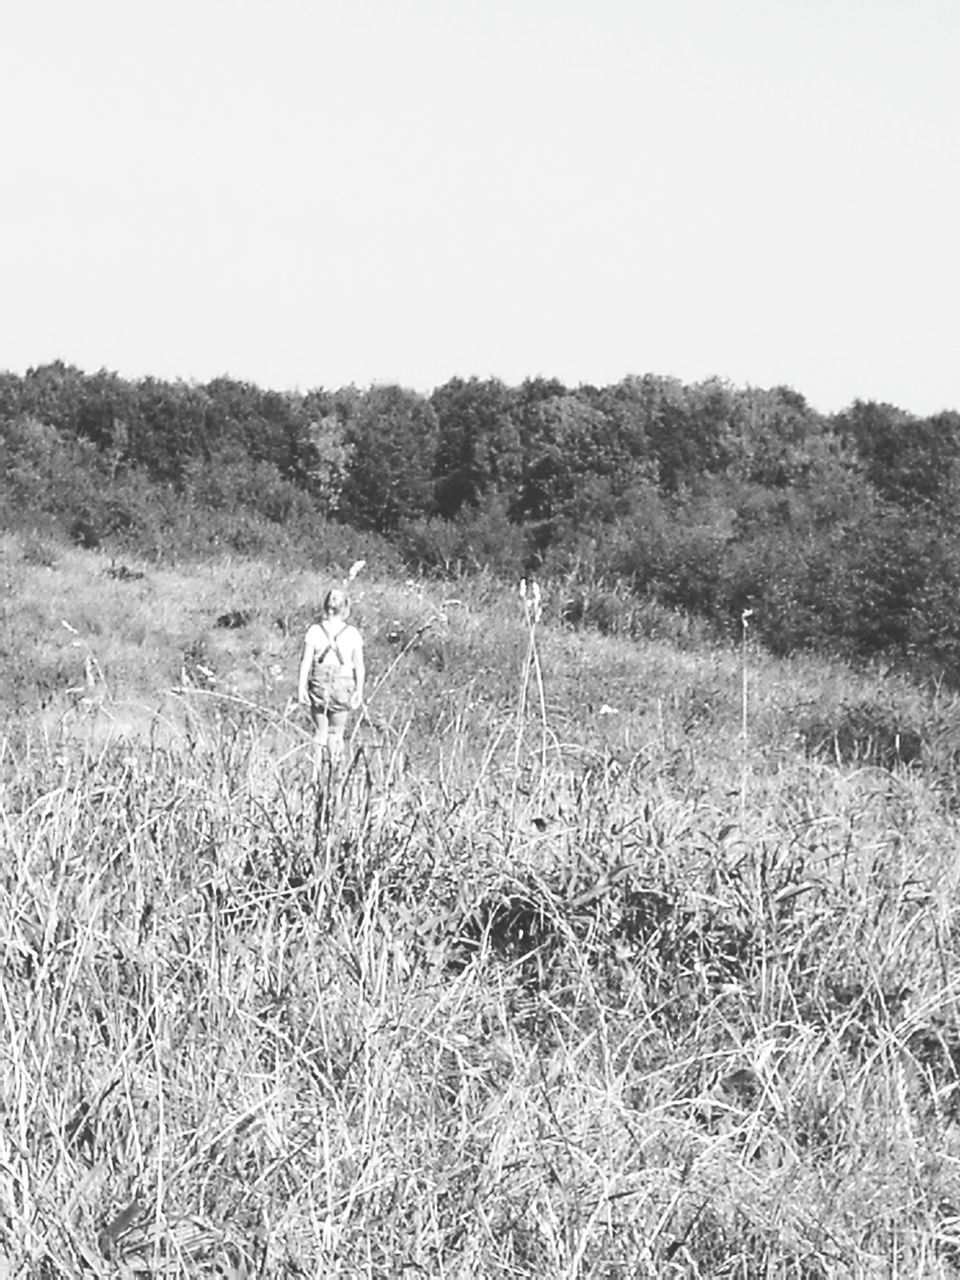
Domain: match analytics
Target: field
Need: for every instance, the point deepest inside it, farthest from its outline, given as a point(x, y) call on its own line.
point(600, 958)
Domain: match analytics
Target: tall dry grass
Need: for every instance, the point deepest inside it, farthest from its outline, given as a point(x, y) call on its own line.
point(541, 992)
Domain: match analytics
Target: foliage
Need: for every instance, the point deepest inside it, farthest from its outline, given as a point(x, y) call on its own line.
point(480, 540)
point(324, 462)
point(392, 435)
point(909, 461)
point(840, 534)
point(233, 481)
point(478, 443)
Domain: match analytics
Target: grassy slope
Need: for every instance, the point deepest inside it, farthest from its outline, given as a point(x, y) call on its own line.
point(606, 997)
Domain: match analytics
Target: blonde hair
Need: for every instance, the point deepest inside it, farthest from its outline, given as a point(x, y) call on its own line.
point(336, 603)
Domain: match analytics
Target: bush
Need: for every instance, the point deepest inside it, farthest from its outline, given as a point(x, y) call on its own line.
point(476, 541)
point(46, 473)
point(232, 481)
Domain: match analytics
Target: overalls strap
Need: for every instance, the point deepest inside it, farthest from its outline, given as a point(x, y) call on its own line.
point(333, 644)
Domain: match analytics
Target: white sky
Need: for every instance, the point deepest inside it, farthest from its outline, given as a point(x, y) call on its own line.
point(306, 193)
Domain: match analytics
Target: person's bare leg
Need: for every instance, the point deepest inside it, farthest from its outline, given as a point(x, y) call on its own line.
point(337, 724)
point(321, 738)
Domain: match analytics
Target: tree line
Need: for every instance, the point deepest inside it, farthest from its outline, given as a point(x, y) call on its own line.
point(837, 531)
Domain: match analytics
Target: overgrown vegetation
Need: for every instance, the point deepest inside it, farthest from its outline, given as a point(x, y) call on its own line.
point(838, 532)
point(624, 980)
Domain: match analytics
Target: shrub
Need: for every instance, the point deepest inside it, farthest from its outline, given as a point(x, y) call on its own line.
point(476, 541)
point(232, 481)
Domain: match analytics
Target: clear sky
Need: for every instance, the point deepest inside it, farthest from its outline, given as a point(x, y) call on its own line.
point(305, 193)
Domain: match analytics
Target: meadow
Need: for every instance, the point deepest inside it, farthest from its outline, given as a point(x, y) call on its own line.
point(600, 958)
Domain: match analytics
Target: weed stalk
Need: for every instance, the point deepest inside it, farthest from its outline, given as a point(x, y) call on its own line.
point(533, 612)
point(745, 617)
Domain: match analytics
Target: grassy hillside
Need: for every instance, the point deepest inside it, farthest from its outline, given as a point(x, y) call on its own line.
point(594, 984)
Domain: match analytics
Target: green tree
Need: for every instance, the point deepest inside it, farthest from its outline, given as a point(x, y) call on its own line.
point(686, 426)
point(478, 442)
point(169, 428)
point(267, 425)
point(770, 436)
point(564, 448)
point(911, 461)
point(392, 434)
point(11, 396)
point(324, 461)
point(53, 393)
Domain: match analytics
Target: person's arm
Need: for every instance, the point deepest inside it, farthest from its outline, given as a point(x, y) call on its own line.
point(360, 674)
point(306, 662)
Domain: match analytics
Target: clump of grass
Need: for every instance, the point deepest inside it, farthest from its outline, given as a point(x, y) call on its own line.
point(869, 732)
point(614, 609)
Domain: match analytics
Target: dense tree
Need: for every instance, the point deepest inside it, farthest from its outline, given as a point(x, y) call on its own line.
point(687, 427)
point(392, 435)
point(265, 424)
point(169, 428)
point(909, 460)
point(106, 406)
point(564, 446)
point(478, 442)
point(53, 393)
point(11, 396)
point(770, 436)
point(625, 409)
point(323, 461)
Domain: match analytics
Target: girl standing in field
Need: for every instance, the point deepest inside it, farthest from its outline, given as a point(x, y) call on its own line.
point(331, 676)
